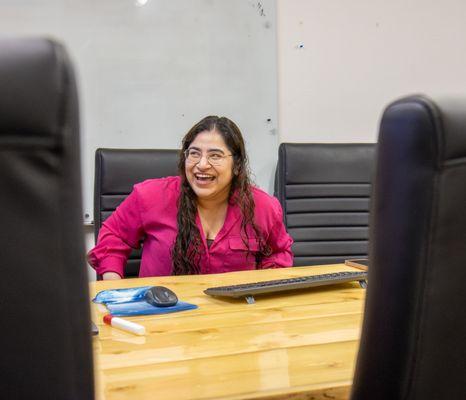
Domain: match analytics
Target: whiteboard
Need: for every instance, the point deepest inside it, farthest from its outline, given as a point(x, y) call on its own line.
point(149, 69)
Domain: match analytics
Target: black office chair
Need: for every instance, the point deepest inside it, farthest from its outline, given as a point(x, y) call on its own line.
point(413, 342)
point(44, 301)
point(324, 190)
point(116, 171)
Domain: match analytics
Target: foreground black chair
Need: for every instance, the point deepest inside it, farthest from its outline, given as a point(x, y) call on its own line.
point(413, 342)
point(324, 190)
point(116, 171)
point(44, 300)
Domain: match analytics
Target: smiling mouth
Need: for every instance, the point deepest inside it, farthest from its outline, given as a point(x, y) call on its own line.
point(204, 178)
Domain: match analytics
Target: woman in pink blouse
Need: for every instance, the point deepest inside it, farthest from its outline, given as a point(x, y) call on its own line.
point(209, 219)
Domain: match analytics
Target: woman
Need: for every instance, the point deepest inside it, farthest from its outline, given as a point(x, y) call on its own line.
point(209, 219)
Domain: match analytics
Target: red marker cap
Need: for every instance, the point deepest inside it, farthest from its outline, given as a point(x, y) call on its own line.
point(121, 323)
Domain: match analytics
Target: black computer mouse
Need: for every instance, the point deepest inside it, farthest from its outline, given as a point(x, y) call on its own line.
point(160, 296)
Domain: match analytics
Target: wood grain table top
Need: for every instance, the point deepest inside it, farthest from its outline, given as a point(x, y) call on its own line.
point(293, 345)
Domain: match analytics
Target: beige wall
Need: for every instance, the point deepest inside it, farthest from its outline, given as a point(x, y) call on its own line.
point(357, 56)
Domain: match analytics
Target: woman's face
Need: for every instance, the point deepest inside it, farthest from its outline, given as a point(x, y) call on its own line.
point(210, 175)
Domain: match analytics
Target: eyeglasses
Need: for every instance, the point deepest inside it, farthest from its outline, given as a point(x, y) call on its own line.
point(194, 156)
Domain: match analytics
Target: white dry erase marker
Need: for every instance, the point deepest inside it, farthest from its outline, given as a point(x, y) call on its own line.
point(124, 325)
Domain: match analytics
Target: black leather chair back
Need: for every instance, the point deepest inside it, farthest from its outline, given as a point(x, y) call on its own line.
point(413, 343)
point(44, 301)
point(116, 172)
point(324, 190)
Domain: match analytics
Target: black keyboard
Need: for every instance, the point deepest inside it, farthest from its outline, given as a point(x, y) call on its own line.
point(250, 289)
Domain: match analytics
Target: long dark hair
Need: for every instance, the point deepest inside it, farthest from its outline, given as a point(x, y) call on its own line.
point(187, 249)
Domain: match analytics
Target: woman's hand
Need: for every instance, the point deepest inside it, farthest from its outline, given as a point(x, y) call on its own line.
point(110, 276)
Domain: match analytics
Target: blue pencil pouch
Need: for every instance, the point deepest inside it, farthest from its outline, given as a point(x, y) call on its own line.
point(130, 302)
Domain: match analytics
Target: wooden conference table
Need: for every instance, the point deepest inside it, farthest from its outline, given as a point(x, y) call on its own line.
point(298, 345)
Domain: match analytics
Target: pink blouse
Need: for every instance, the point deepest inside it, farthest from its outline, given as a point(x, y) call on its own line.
point(150, 212)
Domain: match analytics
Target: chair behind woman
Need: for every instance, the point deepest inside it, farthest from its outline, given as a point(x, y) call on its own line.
point(116, 172)
point(324, 190)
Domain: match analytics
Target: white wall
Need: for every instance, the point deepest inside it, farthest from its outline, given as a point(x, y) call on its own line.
point(359, 55)
point(147, 73)
point(89, 243)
